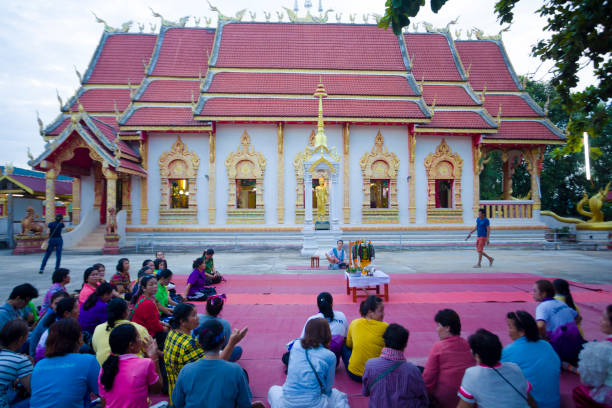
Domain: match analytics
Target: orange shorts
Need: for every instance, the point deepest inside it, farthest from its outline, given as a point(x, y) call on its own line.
point(480, 243)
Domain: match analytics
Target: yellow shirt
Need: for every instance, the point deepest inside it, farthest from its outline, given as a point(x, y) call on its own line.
point(99, 340)
point(365, 338)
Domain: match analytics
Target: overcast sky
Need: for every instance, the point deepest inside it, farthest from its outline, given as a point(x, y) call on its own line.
point(42, 40)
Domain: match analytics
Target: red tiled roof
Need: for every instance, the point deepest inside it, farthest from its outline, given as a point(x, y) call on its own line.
point(430, 55)
point(162, 116)
point(109, 120)
point(38, 184)
point(110, 132)
point(60, 128)
point(488, 65)
point(316, 46)
point(457, 120)
point(102, 100)
point(171, 91)
point(183, 52)
point(305, 84)
point(524, 130)
point(132, 166)
point(512, 105)
point(447, 95)
point(276, 107)
point(121, 59)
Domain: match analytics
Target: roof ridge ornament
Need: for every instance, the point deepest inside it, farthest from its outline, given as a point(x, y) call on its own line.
point(153, 27)
point(196, 21)
point(141, 27)
point(458, 34)
point(484, 92)
point(193, 102)
point(59, 99)
point(41, 125)
point(253, 15)
point(338, 17)
point(352, 18)
point(499, 114)
point(267, 15)
point(117, 113)
point(280, 15)
point(125, 27)
point(421, 85)
point(467, 73)
point(320, 138)
point(78, 74)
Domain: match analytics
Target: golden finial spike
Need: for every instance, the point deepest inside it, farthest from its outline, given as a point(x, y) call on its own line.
point(499, 114)
point(484, 92)
point(467, 73)
point(320, 138)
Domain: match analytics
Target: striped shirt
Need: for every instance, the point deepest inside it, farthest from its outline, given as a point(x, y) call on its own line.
point(481, 385)
point(12, 367)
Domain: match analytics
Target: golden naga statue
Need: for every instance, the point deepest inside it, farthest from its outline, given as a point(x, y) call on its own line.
point(321, 194)
point(29, 223)
point(595, 204)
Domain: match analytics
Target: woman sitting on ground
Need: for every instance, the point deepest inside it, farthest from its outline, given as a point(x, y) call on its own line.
point(492, 384)
point(60, 278)
point(93, 311)
point(213, 276)
point(117, 313)
point(126, 379)
point(595, 369)
point(159, 265)
point(214, 306)
point(537, 359)
point(16, 367)
point(46, 321)
point(211, 381)
point(162, 295)
point(562, 293)
point(66, 308)
point(337, 322)
point(447, 360)
point(197, 282)
point(65, 378)
point(90, 283)
point(310, 377)
point(365, 337)
point(121, 279)
point(145, 310)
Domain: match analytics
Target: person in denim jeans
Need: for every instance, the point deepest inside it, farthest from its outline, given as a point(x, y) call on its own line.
point(55, 242)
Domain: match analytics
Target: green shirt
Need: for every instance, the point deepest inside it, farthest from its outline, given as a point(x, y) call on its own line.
point(209, 265)
point(162, 295)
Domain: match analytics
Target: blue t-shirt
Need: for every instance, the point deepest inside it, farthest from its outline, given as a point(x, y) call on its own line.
point(481, 227)
point(540, 365)
point(64, 381)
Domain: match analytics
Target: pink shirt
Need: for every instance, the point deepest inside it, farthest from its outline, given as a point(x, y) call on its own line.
point(85, 292)
point(446, 364)
point(131, 385)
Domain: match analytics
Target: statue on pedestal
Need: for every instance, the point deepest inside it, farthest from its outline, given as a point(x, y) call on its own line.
point(321, 194)
point(29, 225)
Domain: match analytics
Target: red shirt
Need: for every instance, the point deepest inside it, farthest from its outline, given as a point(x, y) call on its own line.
point(147, 315)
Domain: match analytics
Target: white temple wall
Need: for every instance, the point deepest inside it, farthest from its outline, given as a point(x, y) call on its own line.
point(135, 199)
point(87, 193)
point(296, 140)
point(159, 143)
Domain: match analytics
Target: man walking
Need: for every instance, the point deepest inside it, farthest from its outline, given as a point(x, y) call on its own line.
point(483, 232)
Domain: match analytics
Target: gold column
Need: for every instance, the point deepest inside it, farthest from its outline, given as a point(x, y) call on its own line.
point(476, 156)
point(126, 202)
point(144, 155)
point(111, 191)
point(212, 143)
point(50, 177)
point(76, 200)
point(346, 172)
point(280, 173)
point(411, 175)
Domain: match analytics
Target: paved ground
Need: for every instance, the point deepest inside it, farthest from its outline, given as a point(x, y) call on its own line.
point(581, 266)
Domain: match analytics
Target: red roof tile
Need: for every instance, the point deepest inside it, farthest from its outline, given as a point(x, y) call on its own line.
point(171, 91)
point(457, 120)
point(162, 116)
point(60, 128)
point(183, 52)
point(430, 55)
point(102, 100)
point(273, 107)
point(512, 105)
point(38, 184)
point(109, 120)
point(488, 65)
point(316, 46)
point(524, 130)
point(132, 166)
point(305, 84)
point(447, 95)
point(121, 59)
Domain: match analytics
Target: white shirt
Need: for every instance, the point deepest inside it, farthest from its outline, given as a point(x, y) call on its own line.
point(555, 313)
point(338, 326)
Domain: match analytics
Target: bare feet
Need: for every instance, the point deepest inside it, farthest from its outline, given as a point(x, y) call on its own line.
point(491, 262)
point(476, 266)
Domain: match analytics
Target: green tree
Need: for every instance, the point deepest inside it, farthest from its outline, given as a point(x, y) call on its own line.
point(581, 30)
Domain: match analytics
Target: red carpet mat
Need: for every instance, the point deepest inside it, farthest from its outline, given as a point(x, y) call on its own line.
point(275, 306)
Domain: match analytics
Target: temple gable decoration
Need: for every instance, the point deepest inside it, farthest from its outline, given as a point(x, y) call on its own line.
point(178, 170)
point(443, 171)
point(379, 170)
point(245, 171)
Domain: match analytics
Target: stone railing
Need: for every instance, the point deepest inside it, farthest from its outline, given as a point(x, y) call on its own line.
point(508, 208)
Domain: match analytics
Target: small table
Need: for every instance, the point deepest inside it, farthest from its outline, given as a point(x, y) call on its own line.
point(367, 283)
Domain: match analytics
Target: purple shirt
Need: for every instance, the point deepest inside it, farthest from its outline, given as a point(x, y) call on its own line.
point(56, 287)
point(89, 319)
point(401, 388)
point(197, 280)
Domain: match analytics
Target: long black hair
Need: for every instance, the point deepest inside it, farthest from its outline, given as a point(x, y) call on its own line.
point(524, 322)
point(141, 285)
point(562, 288)
point(119, 267)
point(325, 303)
point(115, 310)
point(119, 340)
point(180, 314)
point(102, 289)
point(87, 274)
point(196, 264)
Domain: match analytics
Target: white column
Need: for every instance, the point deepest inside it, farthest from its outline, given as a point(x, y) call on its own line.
point(333, 217)
point(307, 200)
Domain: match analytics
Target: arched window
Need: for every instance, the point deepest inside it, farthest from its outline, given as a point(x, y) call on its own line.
point(443, 171)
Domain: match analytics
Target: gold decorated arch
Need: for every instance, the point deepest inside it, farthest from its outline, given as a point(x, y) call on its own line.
point(178, 164)
point(443, 164)
point(375, 165)
point(298, 165)
point(245, 163)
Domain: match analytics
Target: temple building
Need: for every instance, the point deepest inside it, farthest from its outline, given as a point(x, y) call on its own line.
point(195, 134)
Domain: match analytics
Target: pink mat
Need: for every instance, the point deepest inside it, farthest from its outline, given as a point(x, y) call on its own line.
point(275, 307)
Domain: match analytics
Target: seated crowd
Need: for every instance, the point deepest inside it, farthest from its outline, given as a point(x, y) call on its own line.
point(118, 342)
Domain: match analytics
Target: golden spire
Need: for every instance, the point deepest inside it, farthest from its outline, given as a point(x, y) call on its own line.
point(320, 138)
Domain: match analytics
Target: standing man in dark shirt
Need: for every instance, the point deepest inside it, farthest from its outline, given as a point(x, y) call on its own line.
point(483, 232)
point(55, 242)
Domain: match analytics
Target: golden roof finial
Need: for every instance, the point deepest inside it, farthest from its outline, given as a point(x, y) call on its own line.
point(467, 73)
point(80, 105)
point(117, 114)
point(422, 83)
point(484, 92)
point(499, 114)
point(320, 138)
